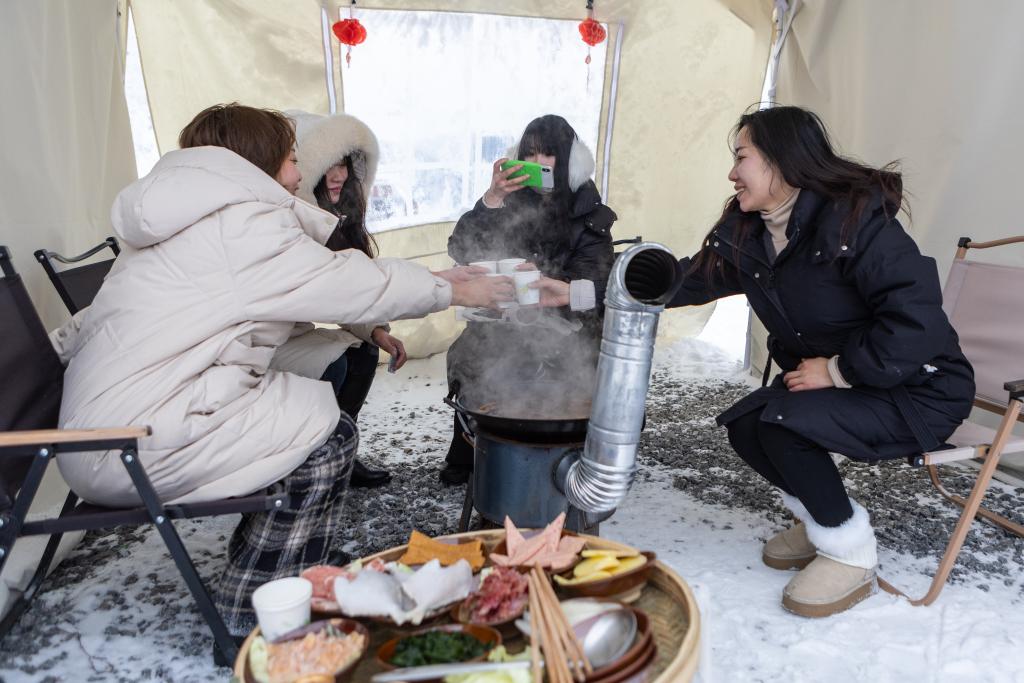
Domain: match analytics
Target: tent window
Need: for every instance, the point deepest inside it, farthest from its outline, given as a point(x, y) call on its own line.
point(447, 93)
point(143, 137)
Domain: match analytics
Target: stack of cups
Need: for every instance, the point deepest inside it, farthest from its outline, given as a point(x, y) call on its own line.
point(282, 606)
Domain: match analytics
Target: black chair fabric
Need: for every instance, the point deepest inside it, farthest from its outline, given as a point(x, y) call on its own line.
point(82, 283)
point(31, 377)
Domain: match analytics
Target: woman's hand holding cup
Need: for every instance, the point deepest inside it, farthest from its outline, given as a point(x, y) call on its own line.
point(553, 293)
point(461, 273)
point(483, 292)
point(501, 185)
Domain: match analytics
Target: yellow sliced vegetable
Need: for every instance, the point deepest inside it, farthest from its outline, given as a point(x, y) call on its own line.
point(594, 564)
point(630, 563)
point(610, 553)
point(596, 576)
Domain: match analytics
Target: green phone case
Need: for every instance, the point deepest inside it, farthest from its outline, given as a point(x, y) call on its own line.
point(538, 176)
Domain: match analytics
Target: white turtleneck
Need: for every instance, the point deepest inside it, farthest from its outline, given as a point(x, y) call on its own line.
point(776, 221)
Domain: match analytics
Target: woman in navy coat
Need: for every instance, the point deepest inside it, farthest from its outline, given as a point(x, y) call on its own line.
point(870, 366)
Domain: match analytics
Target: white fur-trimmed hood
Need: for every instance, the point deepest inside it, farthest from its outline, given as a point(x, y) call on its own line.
point(323, 141)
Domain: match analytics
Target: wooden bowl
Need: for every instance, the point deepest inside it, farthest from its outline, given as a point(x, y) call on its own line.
point(614, 587)
point(485, 634)
point(244, 673)
point(638, 650)
point(632, 672)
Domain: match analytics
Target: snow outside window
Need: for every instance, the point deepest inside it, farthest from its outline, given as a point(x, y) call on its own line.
point(447, 93)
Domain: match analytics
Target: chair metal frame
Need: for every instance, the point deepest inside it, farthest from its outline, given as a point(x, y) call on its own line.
point(988, 453)
point(75, 515)
point(46, 259)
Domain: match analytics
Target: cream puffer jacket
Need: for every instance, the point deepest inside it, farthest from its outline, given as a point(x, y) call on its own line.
point(220, 264)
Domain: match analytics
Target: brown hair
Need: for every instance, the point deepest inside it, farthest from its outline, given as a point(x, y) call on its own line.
point(263, 137)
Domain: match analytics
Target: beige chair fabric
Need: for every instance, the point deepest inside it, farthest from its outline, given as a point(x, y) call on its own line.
point(984, 303)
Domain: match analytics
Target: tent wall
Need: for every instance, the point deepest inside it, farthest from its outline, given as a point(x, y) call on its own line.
point(67, 145)
point(936, 85)
point(66, 152)
point(687, 70)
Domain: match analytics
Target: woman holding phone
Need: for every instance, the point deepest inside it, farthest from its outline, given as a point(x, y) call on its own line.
point(338, 156)
point(564, 231)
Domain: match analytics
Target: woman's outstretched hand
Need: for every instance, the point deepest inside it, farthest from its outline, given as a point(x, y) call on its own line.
point(553, 293)
point(393, 345)
point(501, 186)
point(471, 288)
point(812, 373)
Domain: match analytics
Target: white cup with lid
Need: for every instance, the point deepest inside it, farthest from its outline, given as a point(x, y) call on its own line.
point(282, 605)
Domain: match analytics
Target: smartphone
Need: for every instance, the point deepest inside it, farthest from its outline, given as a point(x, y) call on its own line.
point(537, 175)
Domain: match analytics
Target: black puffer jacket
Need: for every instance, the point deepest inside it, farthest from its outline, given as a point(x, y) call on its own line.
point(874, 300)
point(580, 249)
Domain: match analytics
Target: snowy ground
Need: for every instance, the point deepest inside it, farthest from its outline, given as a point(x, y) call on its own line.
point(117, 610)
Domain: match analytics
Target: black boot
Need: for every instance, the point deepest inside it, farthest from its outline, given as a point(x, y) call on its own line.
point(459, 461)
point(364, 477)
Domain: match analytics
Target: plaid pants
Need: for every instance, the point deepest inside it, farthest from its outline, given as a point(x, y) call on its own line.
point(271, 545)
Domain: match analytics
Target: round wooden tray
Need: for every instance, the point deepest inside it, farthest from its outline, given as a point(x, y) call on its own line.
point(667, 600)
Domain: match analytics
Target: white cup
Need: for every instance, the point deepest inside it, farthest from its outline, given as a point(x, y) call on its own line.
point(491, 266)
point(524, 295)
point(503, 304)
point(507, 266)
point(282, 606)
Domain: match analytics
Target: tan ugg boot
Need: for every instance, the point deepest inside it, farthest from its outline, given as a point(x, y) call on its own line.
point(842, 574)
point(789, 549)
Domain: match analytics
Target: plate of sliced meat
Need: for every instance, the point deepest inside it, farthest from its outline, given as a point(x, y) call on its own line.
point(553, 548)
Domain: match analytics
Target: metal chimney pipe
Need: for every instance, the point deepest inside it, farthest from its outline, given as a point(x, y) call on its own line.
point(641, 283)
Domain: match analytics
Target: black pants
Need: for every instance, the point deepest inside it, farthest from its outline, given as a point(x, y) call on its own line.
point(351, 375)
point(796, 465)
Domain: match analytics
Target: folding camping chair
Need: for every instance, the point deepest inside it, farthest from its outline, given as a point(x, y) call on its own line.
point(985, 306)
point(77, 286)
point(32, 379)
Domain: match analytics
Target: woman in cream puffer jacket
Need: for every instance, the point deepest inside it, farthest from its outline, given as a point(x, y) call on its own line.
point(220, 262)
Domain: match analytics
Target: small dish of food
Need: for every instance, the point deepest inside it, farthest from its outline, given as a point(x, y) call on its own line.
point(439, 645)
point(500, 600)
point(323, 649)
point(607, 574)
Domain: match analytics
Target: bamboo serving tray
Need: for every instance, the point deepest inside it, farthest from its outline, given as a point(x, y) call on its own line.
point(666, 599)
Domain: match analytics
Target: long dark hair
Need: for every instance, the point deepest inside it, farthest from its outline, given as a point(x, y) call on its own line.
point(550, 135)
point(796, 144)
point(350, 233)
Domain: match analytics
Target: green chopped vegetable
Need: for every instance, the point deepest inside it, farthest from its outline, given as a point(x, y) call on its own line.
point(436, 647)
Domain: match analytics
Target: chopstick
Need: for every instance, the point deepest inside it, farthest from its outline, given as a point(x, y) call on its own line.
point(534, 636)
point(564, 643)
point(554, 658)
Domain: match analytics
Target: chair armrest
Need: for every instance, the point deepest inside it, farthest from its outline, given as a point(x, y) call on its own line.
point(42, 437)
point(1016, 388)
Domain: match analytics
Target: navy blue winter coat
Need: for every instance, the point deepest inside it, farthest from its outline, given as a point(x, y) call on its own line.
point(872, 299)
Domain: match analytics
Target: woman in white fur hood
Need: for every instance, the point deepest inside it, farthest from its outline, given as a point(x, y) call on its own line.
point(338, 156)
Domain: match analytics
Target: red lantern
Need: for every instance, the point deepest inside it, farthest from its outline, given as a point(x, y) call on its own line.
point(349, 32)
point(592, 32)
